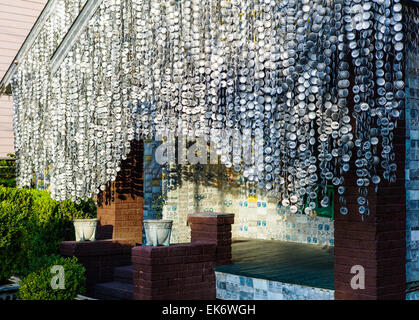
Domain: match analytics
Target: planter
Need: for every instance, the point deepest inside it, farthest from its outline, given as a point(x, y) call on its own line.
point(85, 229)
point(158, 232)
point(8, 291)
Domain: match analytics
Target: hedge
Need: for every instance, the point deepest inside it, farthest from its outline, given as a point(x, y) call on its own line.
point(37, 285)
point(32, 225)
point(8, 172)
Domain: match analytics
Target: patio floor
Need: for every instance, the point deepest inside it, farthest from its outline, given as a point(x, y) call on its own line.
point(288, 262)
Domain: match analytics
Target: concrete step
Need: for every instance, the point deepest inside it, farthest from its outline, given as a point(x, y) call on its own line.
point(114, 290)
point(123, 274)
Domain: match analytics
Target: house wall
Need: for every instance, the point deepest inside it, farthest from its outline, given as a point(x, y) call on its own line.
point(412, 170)
point(6, 125)
point(235, 287)
point(256, 216)
point(16, 20)
point(152, 181)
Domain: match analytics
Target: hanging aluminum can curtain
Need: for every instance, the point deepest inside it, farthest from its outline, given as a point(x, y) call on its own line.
point(313, 83)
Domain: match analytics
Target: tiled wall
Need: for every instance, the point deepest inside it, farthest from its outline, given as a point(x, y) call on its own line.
point(234, 287)
point(412, 296)
point(152, 180)
point(256, 215)
point(412, 159)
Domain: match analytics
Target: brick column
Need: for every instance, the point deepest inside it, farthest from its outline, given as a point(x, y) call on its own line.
point(177, 272)
point(213, 228)
point(120, 206)
point(377, 243)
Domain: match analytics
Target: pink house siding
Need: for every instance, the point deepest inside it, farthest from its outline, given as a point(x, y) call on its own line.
point(16, 20)
point(6, 125)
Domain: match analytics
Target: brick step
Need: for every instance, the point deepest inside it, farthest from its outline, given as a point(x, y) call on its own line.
point(123, 274)
point(114, 290)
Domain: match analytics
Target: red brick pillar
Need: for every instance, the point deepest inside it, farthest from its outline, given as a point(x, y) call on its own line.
point(377, 243)
point(120, 206)
point(177, 272)
point(213, 228)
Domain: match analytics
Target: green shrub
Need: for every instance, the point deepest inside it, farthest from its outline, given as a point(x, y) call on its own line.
point(37, 285)
point(158, 204)
point(8, 172)
point(32, 225)
point(14, 215)
point(10, 183)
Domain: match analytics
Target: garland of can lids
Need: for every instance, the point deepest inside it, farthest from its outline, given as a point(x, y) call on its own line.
point(284, 71)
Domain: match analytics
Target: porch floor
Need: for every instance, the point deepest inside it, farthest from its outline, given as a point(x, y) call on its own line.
point(287, 262)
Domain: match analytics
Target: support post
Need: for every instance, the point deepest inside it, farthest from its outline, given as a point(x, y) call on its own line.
point(120, 207)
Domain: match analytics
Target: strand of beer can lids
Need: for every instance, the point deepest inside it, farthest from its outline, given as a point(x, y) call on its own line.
point(310, 84)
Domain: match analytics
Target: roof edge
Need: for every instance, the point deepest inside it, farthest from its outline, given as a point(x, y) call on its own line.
point(27, 44)
point(72, 35)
